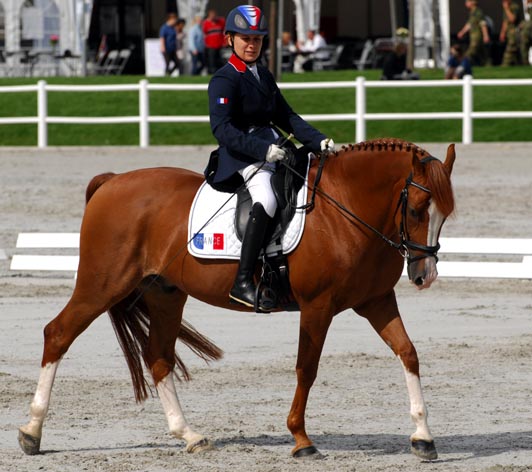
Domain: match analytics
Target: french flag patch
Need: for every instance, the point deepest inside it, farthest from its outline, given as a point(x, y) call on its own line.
point(223, 101)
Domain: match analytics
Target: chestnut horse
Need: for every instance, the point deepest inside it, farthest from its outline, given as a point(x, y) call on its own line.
point(377, 203)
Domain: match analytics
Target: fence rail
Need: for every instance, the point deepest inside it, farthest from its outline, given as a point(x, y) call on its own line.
point(360, 115)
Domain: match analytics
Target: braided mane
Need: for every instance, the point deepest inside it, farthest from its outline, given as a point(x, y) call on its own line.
point(438, 179)
point(386, 144)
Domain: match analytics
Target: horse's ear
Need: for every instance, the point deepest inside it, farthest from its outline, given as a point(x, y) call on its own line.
point(449, 160)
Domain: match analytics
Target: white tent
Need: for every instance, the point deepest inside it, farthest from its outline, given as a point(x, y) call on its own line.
point(431, 24)
point(431, 27)
point(431, 32)
point(40, 24)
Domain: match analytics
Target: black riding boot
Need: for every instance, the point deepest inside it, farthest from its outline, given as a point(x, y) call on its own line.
point(244, 288)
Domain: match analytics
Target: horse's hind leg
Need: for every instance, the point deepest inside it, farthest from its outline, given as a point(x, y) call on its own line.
point(89, 300)
point(166, 310)
point(384, 316)
point(58, 336)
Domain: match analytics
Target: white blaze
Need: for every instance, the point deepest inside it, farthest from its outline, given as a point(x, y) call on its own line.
point(436, 220)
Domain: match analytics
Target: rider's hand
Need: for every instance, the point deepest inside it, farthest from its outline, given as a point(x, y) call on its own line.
point(327, 145)
point(275, 153)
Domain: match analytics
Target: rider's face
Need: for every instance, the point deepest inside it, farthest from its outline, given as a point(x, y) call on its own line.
point(248, 46)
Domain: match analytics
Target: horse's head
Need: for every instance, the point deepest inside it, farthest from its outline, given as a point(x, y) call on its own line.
point(426, 201)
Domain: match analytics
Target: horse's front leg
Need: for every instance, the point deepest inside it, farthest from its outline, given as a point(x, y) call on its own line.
point(384, 316)
point(312, 334)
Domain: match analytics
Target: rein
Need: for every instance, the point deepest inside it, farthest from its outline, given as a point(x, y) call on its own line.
point(406, 244)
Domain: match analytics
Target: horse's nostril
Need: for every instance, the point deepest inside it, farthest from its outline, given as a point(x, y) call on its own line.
point(419, 281)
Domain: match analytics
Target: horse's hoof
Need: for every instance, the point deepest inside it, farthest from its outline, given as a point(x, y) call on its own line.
point(424, 449)
point(309, 452)
point(29, 444)
point(200, 446)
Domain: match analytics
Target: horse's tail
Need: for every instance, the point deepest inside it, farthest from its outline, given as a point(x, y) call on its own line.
point(131, 321)
point(96, 183)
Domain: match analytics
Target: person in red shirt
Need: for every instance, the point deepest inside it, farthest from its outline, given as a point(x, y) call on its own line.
point(213, 31)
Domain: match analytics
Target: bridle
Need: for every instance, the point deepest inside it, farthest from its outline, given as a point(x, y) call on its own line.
point(405, 245)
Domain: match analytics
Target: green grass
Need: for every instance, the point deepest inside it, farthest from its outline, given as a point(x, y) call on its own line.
point(303, 101)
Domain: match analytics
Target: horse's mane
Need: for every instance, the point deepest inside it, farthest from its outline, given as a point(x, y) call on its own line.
point(438, 179)
point(387, 144)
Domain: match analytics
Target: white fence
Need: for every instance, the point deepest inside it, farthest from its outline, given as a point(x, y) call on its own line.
point(360, 116)
point(519, 251)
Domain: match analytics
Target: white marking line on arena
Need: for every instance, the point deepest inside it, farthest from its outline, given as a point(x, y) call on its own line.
point(48, 240)
point(38, 262)
point(515, 270)
point(485, 246)
point(485, 270)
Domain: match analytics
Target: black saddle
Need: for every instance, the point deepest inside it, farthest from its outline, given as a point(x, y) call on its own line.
point(286, 185)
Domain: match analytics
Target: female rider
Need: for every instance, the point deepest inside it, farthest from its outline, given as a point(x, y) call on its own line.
point(247, 112)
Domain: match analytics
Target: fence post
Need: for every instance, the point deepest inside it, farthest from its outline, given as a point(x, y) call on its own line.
point(144, 113)
point(361, 109)
point(42, 113)
point(467, 110)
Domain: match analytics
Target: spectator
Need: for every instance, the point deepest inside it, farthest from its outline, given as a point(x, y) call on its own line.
point(168, 43)
point(196, 46)
point(180, 44)
point(526, 34)
point(213, 29)
point(511, 14)
point(477, 28)
point(458, 64)
point(394, 66)
point(312, 48)
point(288, 51)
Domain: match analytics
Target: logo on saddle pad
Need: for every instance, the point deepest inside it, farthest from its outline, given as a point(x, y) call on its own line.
point(214, 241)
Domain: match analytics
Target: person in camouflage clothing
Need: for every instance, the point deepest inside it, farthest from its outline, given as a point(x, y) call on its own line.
point(526, 34)
point(477, 28)
point(510, 32)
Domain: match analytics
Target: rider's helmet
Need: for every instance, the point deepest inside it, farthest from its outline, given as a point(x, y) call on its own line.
point(246, 19)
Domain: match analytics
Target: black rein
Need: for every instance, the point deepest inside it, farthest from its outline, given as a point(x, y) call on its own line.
point(406, 244)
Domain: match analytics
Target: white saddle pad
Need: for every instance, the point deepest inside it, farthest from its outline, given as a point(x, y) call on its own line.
point(211, 229)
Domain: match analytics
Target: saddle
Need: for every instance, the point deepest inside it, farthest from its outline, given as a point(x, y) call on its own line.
point(273, 289)
point(286, 185)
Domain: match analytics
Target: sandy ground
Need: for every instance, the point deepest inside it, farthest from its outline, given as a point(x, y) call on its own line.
point(474, 340)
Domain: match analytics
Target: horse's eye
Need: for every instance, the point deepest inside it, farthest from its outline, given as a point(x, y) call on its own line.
point(413, 212)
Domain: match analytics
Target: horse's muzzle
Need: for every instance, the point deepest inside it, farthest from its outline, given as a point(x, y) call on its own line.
point(423, 272)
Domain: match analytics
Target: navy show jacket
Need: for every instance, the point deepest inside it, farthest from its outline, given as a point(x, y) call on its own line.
point(243, 112)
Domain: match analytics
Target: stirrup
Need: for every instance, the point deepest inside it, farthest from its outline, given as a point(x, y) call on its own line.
point(265, 299)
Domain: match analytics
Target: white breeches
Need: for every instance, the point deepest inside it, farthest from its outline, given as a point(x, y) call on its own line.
point(258, 183)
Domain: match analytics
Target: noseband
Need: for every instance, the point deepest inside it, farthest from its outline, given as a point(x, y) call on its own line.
point(406, 245)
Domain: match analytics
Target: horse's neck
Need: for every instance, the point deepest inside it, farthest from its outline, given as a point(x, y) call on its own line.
point(374, 172)
point(368, 185)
